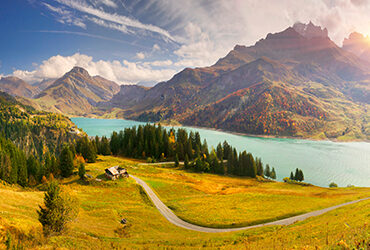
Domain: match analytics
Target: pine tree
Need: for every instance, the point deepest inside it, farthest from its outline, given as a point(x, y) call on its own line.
point(296, 175)
point(230, 162)
point(301, 176)
point(57, 210)
point(220, 152)
point(267, 171)
point(186, 161)
point(291, 176)
point(66, 162)
point(33, 167)
point(22, 171)
point(104, 146)
point(114, 143)
point(259, 166)
point(273, 174)
point(176, 161)
point(205, 148)
point(81, 171)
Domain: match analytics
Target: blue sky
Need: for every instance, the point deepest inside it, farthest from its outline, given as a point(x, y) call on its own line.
point(131, 41)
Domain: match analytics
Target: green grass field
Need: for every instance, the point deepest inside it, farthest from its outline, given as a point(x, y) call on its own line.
point(202, 198)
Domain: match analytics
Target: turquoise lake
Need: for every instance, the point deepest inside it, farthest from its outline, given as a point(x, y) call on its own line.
point(322, 162)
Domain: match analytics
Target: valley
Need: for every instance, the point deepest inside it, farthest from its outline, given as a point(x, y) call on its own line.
point(168, 137)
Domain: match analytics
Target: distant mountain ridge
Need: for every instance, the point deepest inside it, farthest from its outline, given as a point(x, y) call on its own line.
point(17, 87)
point(292, 83)
point(76, 93)
point(296, 82)
point(359, 45)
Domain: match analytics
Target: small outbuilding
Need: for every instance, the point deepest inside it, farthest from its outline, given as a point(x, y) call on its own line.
point(116, 172)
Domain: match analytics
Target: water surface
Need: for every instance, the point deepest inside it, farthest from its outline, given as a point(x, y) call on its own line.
point(345, 163)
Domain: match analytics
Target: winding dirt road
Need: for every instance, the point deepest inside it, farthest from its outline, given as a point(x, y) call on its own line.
point(171, 217)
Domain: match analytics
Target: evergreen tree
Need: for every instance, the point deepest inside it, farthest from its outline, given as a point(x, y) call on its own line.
point(273, 174)
point(251, 166)
point(104, 146)
point(22, 170)
point(291, 176)
point(296, 175)
point(186, 161)
point(301, 176)
point(57, 210)
point(33, 167)
point(176, 161)
point(226, 150)
point(267, 171)
point(259, 166)
point(220, 152)
point(230, 162)
point(66, 162)
point(114, 143)
point(205, 148)
point(81, 171)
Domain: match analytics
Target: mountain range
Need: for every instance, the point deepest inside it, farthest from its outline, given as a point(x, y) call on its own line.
point(296, 82)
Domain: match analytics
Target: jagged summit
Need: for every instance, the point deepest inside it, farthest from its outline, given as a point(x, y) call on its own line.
point(310, 30)
point(79, 70)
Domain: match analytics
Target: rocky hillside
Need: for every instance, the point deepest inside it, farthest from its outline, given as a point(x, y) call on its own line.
point(76, 93)
point(17, 87)
point(293, 83)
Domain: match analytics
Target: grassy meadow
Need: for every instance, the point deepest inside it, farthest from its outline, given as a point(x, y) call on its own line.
point(204, 199)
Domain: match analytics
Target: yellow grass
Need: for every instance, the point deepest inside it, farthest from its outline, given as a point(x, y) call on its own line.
point(103, 204)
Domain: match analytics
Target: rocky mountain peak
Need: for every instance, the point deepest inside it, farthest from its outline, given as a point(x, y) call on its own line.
point(79, 70)
point(310, 30)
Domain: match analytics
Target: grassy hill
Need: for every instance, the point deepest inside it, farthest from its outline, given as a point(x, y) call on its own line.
point(103, 204)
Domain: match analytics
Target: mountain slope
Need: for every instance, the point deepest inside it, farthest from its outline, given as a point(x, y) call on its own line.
point(33, 131)
point(76, 93)
point(316, 89)
point(17, 87)
point(358, 44)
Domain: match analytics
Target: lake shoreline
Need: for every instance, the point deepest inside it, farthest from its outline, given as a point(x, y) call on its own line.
point(231, 132)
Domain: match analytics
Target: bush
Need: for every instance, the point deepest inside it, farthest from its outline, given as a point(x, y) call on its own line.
point(333, 185)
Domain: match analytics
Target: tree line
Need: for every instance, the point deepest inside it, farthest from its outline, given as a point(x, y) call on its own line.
point(16, 167)
point(151, 142)
point(156, 143)
point(298, 176)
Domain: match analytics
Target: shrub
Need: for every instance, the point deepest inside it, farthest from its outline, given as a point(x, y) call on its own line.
point(333, 185)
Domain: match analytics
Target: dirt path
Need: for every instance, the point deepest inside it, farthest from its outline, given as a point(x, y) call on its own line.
point(171, 217)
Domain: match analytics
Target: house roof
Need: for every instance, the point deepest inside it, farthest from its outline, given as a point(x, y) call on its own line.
point(115, 170)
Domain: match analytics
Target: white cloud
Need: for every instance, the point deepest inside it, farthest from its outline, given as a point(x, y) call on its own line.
point(208, 30)
point(159, 63)
point(140, 55)
point(108, 3)
point(65, 16)
point(114, 18)
point(156, 47)
point(122, 72)
point(119, 27)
